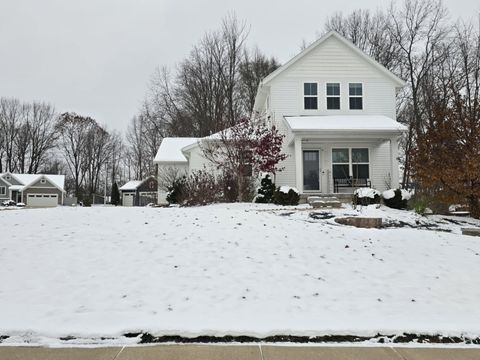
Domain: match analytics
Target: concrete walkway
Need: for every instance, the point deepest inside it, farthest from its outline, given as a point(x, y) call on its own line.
point(237, 352)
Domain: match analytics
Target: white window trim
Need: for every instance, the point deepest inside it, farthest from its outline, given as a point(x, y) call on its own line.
point(333, 96)
point(43, 181)
point(350, 160)
point(4, 191)
point(356, 96)
point(310, 96)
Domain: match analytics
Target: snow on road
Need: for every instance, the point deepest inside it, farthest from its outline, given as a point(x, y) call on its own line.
point(231, 269)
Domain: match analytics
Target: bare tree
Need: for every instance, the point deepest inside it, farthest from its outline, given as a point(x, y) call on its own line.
point(27, 134)
point(369, 32)
point(212, 88)
point(10, 117)
point(42, 134)
point(254, 67)
point(419, 29)
point(74, 131)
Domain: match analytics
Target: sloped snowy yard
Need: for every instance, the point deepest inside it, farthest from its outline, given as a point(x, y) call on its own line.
point(231, 269)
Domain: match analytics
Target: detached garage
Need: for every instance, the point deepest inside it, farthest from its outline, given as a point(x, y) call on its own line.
point(140, 192)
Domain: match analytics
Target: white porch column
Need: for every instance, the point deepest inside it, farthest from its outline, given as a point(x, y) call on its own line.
point(394, 176)
point(298, 164)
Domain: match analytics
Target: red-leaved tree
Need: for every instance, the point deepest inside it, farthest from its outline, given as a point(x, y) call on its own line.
point(246, 149)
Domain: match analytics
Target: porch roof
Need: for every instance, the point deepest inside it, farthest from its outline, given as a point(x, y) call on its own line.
point(344, 123)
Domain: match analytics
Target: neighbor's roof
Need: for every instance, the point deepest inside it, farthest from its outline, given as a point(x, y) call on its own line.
point(29, 179)
point(170, 150)
point(344, 123)
point(131, 185)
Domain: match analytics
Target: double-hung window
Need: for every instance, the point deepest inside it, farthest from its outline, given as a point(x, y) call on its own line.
point(333, 96)
point(355, 93)
point(310, 96)
point(341, 163)
point(360, 164)
point(3, 190)
point(350, 162)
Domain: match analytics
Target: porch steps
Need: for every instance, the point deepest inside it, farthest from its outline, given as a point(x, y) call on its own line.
point(327, 201)
point(342, 198)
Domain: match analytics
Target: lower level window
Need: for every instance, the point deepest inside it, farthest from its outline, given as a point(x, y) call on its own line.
point(340, 163)
point(350, 162)
point(3, 190)
point(360, 164)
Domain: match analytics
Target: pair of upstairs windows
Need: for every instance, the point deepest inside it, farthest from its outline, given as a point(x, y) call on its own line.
point(310, 96)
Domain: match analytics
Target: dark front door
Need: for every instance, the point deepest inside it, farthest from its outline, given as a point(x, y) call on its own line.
point(311, 170)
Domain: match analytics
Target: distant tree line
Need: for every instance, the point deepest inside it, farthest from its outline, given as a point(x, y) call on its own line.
point(36, 139)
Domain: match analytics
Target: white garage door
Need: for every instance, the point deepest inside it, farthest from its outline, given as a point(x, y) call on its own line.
point(42, 200)
point(128, 199)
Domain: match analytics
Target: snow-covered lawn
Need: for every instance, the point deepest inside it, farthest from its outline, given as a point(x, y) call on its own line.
point(231, 269)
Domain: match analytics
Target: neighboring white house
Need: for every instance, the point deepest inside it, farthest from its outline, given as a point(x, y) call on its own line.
point(336, 107)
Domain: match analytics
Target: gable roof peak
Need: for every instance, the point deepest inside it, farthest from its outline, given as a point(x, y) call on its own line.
point(333, 34)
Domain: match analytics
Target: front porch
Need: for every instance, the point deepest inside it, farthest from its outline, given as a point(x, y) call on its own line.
point(338, 166)
point(338, 154)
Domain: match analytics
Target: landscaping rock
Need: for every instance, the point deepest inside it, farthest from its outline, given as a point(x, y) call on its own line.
point(360, 222)
point(317, 204)
point(471, 231)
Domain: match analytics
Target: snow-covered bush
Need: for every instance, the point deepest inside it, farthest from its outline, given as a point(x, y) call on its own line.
point(266, 190)
point(396, 198)
point(366, 196)
point(286, 195)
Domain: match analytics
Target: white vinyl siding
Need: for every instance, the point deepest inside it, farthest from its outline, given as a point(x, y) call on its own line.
point(332, 62)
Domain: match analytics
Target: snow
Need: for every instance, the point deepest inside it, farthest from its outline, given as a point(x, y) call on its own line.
point(366, 192)
point(285, 189)
point(344, 122)
point(131, 185)
point(171, 149)
point(232, 269)
point(389, 194)
point(405, 194)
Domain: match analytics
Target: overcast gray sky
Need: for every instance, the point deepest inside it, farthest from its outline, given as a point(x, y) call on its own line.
point(95, 57)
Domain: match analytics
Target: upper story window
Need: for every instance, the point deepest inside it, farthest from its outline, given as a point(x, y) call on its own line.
point(43, 181)
point(310, 96)
point(333, 96)
point(355, 93)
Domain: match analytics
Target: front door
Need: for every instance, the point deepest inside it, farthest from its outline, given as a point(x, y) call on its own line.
point(311, 170)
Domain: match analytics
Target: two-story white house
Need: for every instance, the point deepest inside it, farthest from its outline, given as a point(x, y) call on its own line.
point(336, 107)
